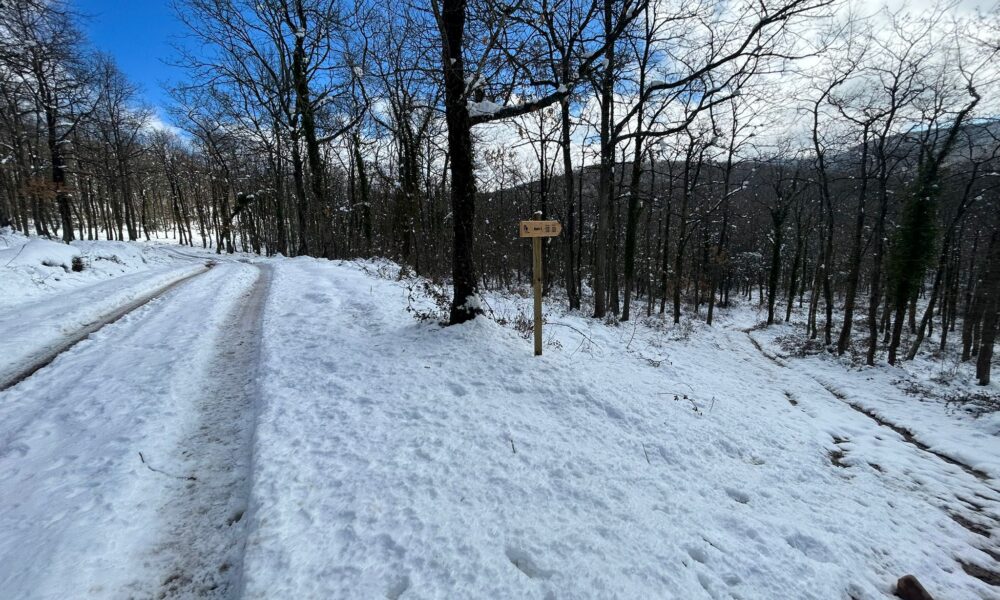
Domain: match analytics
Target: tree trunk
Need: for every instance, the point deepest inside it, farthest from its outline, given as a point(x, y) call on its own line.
point(854, 273)
point(777, 220)
point(567, 157)
point(631, 225)
point(989, 294)
point(465, 302)
point(605, 201)
point(59, 176)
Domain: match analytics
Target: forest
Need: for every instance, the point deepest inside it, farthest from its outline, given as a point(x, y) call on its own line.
point(835, 161)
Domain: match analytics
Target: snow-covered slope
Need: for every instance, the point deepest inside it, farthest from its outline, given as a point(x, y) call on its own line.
point(399, 459)
point(934, 399)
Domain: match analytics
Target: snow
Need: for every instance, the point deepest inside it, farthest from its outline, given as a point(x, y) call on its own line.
point(44, 300)
point(302, 435)
point(81, 513)
point(39, 253)
point(920, 394)
point(398, 458)
point(33, 328)
point(24, 274)
point(483, 108)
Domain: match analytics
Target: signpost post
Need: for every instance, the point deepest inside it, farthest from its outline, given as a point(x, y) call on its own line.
point(536, 230)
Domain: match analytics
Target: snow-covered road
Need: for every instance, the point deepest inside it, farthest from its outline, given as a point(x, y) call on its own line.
point(288, 430)
point(123, 462)
point(37, 331)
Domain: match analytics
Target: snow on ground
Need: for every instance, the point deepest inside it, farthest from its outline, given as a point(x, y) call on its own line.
point(34, 268)
point(82, 514)
point(378, 455)
point(31, 329)
point(43, 300)
point(396, 458)
point(35, 253)
point(932, 398)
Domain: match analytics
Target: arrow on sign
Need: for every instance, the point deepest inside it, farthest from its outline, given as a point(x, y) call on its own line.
point(540, 228)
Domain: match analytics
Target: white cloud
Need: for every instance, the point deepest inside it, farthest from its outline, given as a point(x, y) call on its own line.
point(156, 123)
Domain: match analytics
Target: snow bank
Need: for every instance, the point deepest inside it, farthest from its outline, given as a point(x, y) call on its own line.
point(33, 268)
point(39, 253)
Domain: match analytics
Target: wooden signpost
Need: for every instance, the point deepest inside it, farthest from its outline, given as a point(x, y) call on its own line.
point(536, 230)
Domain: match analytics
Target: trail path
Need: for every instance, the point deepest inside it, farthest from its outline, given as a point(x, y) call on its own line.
point(137, 441)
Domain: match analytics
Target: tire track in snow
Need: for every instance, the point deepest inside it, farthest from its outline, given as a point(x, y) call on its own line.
point(205, 525)
point(205, 254)
point(975, 526)
point(903, 432)
point(45, 357)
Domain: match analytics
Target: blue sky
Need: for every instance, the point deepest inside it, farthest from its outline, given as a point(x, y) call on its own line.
point(138, 33)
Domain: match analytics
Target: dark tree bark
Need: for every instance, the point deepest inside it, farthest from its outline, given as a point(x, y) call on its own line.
point(572, 291)
point(465, 303)
point(915, 235)
point(854, 268)
point(990, 298)
point(605, 199)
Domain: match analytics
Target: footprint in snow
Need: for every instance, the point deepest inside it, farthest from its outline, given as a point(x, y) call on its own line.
point(810, 547)
point(738, 495)
point(697, 554)
point(525, 564)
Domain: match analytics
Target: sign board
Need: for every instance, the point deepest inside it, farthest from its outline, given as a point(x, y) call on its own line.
point(540, 228)
point(536, 230)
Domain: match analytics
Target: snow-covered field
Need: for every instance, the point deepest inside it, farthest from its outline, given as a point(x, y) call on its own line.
point(288, 429)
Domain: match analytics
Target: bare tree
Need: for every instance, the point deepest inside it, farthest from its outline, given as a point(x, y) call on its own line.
point(42, 45)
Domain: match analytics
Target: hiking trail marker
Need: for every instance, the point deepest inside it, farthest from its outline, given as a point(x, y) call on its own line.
point(536, 230)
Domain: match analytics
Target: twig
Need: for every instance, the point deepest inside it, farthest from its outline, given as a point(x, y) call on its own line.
point(646, 453)
point(151, 468)
point(635, 325)
point(19, 250)
point(587, 337)
point(512, 445)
